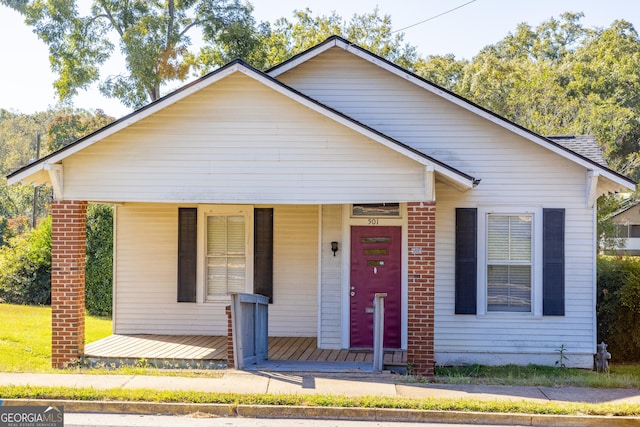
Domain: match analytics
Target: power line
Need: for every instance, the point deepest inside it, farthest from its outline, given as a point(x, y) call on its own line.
point(434, 17)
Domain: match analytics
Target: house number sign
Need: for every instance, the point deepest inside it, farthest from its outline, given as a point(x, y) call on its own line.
point(373, 221)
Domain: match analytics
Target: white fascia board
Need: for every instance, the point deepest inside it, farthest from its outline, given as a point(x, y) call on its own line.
point(123, 123)
point(22, 176)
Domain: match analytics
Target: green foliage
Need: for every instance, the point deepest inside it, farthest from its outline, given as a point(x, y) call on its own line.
point(99, 270)
point(521, 406)
point(25, 267)
point(152, 36)
point(286, 38)
point(607, 236)
point(562, 356)
point(68, 126)
point(620, 376)
point(618, 307)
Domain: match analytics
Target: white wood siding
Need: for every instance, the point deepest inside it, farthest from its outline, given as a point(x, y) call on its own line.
point(331, 289)
point(294, 311)
point(146, 275)
point(238, 141)
point(514, 172)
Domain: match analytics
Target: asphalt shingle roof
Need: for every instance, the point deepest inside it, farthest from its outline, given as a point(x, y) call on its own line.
point(585, 145)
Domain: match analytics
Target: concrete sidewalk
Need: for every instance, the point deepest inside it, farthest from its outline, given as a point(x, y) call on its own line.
point(351, 385)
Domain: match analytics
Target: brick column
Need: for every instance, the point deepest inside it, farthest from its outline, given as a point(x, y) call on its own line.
point(68, 258)
point(230, 358)
point(421, 271)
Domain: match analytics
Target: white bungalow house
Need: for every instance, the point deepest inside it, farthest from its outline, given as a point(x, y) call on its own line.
point(331, 177)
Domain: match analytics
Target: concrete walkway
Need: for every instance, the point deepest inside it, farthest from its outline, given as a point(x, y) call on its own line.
point(352, 385)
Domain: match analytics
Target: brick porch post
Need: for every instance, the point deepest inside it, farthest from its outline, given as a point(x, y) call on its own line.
point(421, 284)
point(68, 258)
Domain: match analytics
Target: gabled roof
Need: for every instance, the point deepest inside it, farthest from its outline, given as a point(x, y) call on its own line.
point(445, 172)
point(599, 169)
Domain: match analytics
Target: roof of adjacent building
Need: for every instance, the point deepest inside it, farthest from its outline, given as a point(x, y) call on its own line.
point(585, 145)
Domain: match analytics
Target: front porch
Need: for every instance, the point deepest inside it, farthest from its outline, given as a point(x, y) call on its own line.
point(207, 352)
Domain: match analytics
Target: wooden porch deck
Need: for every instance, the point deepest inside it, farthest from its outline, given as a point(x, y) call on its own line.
point(214, 349)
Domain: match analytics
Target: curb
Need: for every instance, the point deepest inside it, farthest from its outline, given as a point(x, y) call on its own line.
point(331, 413)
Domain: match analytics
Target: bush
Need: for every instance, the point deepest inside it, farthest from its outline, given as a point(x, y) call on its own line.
point(99, 271)
point(618, 306)
point(25, 267)
point(25, 264)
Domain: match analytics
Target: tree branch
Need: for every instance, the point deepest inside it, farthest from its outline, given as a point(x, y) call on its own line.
point(188, 27)
point(171, 6)
point(110, 17)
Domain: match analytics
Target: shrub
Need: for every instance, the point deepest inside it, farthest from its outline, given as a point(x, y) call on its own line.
point(25, 264)
point(25, 267)
point(618, 306)
point(99, 271)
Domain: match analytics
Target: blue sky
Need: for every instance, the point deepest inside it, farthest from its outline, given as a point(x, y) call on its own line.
point(26, 80)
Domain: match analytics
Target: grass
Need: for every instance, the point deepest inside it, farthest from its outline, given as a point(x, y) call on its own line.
point(146, 395)
point(619, 376)
point(26, 347)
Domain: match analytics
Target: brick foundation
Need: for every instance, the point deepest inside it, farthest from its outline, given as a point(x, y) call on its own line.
point(421, 285)
point(230, 358)
point(68, 259)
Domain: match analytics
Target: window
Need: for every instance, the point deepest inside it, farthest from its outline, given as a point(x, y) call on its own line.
point(634, 230)
point(226, 254)
point(519, 257)
point(509, 262)
point(383, 210)
point(622, 230)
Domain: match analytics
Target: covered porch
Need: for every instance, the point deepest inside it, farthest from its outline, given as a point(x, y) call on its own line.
point(210, 352)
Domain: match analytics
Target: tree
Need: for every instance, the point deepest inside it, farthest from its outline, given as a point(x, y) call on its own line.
point(154, 38)
point(286, 38)
point(70, 125)
point(443, 70)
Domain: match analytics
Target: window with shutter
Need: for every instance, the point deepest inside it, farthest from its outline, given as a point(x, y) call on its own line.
point(520, 261)
point(226, 254)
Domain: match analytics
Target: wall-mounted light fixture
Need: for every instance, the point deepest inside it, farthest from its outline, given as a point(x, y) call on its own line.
point(334, 247)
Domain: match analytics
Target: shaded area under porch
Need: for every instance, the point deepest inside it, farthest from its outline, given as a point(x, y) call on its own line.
point(210, 352)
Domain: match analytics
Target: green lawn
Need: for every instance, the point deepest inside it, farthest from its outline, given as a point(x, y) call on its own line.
point(25, 337)
point(25, 346)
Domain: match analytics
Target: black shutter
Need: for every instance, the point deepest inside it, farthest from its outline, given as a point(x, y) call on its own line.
point(187, 253)
point(466, 260)
point(553, 262)
point(263, 252)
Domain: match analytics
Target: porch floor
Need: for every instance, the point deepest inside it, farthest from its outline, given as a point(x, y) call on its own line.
point(189, 350)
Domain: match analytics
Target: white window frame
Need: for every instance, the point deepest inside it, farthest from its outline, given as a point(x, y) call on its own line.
point(205, 211)
point(536, 259)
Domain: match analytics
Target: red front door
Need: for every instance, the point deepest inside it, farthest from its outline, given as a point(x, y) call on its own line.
point(375, 268)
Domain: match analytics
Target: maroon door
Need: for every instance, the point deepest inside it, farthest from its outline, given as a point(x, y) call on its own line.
point(375, 268)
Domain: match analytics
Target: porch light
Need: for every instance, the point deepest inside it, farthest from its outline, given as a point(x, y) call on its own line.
point(334, 247)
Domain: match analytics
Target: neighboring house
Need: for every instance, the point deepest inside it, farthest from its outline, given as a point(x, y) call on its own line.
point(627, 227)
point(481, 232)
